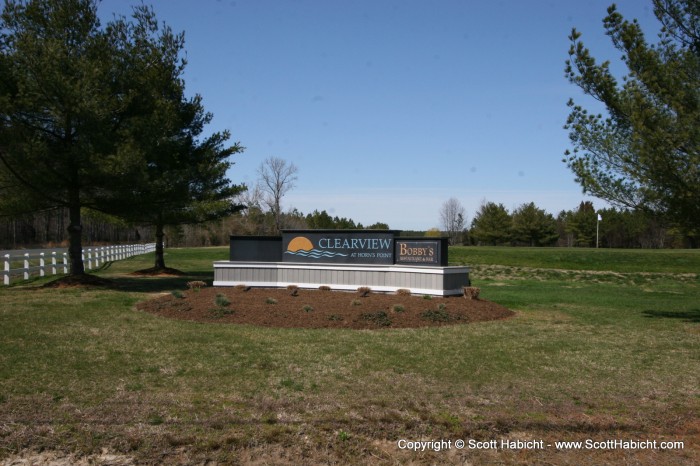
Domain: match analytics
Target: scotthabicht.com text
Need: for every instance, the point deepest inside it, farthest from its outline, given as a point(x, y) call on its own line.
point(511, 444)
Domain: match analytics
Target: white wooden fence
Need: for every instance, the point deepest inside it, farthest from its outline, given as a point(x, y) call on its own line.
point(44, 262)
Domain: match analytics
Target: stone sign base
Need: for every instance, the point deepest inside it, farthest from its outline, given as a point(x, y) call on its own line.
point(438, 281)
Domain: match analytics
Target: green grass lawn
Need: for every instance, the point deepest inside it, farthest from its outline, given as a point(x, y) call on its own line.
point(605, 345)
point(614, 260)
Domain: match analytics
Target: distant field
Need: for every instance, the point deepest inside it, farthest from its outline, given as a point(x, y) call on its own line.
point(614, 260)
point(605, 346)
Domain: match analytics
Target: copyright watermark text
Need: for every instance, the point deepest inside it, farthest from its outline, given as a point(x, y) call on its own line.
point(511, 444)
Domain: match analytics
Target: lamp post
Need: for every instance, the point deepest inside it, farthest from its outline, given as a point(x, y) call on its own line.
point(597, 230)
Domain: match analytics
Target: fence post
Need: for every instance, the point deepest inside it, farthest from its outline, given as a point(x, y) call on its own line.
point(6, 277)
point(65, 263)
point(53, 263)
point(42, 265)
point(89, 261)
point(26, 266)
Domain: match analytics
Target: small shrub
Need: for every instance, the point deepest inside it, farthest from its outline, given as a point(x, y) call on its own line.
point(471, 292)
point(177, 293)
point(442, 307)
point(335, 317)
point(220, 312)
point(364, 291)
point(271, 301)
point(291, 384)
point(293, 290)
point(356, 302)
point(221, 300)
point(343, 436)
point(307, 308)
point(436, 316)
point(324, 288)
point(380, 318)
point(196, 285)
point(398, 308)
point(403, 292)
point(182, 307)
point(155, 419)
point(427, 296)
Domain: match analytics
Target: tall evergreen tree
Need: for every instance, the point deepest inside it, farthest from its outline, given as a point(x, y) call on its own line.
point(533, 226)
point(646, 152)
point(581, 223)
point(71, 92)
point(183, 179)
point(491, 224)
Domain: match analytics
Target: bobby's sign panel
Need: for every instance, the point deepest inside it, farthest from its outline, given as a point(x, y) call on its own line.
point(418, 252)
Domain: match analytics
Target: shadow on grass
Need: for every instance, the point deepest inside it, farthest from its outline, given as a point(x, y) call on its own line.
point(688, 316)
point(158, 284)
point(127, 283)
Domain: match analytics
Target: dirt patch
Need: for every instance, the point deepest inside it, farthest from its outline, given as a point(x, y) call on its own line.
point(51, 458)
point(158, 272)
point(321, 309)
point(81, 281)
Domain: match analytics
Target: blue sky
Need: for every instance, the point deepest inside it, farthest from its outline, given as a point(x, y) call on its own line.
point(389, 108)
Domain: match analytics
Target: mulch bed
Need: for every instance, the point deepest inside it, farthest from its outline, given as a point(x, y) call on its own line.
point(158, 272)
point(321, 309)
point(86, 280)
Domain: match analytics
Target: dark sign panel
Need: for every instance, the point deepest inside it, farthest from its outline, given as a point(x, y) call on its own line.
point(421, 252)
point(256, 248)
point(338, 246)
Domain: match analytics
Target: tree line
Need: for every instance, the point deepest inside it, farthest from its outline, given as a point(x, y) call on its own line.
point(493, 224)
point(528, 225)
point(48, 228)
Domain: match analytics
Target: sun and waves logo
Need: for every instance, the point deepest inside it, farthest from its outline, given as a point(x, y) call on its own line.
point(301, 246)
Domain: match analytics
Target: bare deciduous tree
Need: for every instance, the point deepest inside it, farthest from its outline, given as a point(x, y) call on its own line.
point(251, 197)
point(276, 178)
point(453, 218)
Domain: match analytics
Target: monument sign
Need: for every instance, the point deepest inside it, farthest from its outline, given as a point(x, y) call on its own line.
point(343, 260)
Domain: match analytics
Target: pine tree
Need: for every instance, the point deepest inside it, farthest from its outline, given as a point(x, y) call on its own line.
point(645, 153)
point(533, 226)
point(491, 224)
point(71, 94)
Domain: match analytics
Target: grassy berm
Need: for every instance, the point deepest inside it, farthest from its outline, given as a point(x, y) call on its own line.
point(604, 349)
